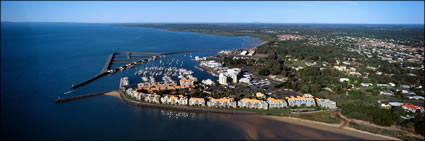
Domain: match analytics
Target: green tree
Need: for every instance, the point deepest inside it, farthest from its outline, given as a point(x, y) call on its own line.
point(264, 72)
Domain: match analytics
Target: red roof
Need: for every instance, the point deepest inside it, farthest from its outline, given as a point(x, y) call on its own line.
point(411, 106)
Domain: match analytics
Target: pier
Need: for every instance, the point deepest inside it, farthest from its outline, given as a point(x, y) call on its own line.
point(130, 58)
point(108, 63)
point(60, 100)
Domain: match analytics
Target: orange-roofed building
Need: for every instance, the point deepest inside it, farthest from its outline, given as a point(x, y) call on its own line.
point(276, 103)
point(412, 108)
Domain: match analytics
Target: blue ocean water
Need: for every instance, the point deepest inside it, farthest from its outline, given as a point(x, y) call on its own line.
point(40, 61)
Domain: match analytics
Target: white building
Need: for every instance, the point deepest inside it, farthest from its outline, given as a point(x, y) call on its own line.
point(196, 101)
point(222, 79)
point(208, 82)
point(244, 80)
point(210, 64)
point(343, 79)
point(395, 104)
point(417, 97)
point(386, 93)
point(325, 103)
point(276, 103)
point(244, 52)
point(253, 104)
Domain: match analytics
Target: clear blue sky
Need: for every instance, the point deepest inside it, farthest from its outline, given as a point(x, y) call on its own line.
point(365, 12)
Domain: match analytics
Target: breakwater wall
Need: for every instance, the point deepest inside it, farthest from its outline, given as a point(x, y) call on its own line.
point(60, 100)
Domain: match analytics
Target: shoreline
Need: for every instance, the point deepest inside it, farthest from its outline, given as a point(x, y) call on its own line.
point(179, 107)
point(334, 128)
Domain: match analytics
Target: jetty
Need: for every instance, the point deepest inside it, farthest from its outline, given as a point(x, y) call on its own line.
point(60, 100)
point(130, 59)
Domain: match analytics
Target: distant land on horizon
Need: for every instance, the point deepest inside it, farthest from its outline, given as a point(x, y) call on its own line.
point(245, 23)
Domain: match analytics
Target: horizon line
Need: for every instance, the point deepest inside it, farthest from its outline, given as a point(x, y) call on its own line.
point(212, 23)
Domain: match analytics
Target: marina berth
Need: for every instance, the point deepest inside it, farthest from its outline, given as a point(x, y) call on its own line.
point(224, 102)
point(252, 104)
point(276, 103)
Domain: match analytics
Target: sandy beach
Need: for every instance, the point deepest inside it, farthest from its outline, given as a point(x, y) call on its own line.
point(114, 94)
point(335, 128)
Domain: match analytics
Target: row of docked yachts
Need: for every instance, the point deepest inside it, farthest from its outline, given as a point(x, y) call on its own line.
point(131, 65)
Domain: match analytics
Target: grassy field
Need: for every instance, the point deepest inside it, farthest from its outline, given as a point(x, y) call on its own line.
point(277, 112)
point(322, 117)
point(397, 134)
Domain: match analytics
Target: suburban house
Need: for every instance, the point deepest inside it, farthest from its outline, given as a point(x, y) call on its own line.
point(365, 84)
point(386, 93)
point(343, 79)
point(412, 108)
point(417, 97)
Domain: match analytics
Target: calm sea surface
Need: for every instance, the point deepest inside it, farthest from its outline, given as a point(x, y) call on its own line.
point(40, 61)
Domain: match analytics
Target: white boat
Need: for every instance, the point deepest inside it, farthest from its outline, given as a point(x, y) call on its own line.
point(145, 79)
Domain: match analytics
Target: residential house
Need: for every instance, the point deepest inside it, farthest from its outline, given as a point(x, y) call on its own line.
point(417, 97)
point(412, 108)
point(386, 93)
point(395, 104)
point(366, 84)
point(343, 79)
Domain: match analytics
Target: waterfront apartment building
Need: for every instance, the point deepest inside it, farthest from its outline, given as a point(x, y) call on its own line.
point(196, 101)
point(184, 83)
point(325, 103)
point(135, 94)
point(224, 102)
point(276, 103)
point(177, 100)
point(152, 98)
point(298, 101)
point(252, 104)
